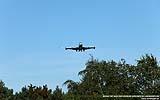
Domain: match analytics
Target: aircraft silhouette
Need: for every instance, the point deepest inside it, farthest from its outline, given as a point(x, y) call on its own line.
point(80, 48)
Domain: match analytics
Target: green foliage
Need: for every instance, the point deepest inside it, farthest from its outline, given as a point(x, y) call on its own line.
point(5, 93)
point(57, 94)
point(118, 78)
point(97, 79)
point(34, 93)
point(147, 74)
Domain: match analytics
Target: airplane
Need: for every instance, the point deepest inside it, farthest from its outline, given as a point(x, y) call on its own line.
point(80, 48)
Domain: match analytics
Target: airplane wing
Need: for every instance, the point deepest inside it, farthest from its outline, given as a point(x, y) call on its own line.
point(76, 48)
point(85, 48)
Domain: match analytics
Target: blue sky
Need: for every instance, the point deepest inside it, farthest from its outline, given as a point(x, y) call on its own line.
point(34, 33)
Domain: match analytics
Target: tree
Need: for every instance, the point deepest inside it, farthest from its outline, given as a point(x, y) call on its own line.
point(5, 93)
point(72, 86)
point(34, 93)
point(97, 79)
point(117, 78)
point(147, 74)
point(57, 94)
